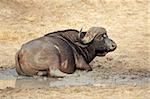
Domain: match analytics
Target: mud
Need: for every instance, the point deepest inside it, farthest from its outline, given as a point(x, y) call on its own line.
point(100, 76)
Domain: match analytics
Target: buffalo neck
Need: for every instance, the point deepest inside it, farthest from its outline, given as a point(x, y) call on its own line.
point(88, 52)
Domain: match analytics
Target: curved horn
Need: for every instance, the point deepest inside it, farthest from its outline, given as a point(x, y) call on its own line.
point(92, 33)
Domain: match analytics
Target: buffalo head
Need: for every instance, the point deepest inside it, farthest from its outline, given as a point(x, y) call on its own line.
point(100, 41)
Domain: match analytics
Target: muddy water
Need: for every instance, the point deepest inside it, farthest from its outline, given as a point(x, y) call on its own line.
point(97, 77)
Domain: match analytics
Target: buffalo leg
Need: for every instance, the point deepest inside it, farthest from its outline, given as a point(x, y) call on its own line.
point(81, 64)
point(54, 68)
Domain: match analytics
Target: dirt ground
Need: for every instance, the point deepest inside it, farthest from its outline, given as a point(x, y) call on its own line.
point(122, 74)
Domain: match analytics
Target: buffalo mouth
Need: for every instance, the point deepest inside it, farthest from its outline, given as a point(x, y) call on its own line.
point(105, 51)
point(102, 53)
point(111, 50)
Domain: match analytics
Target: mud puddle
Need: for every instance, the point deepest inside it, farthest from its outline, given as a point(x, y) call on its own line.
point(97, 77)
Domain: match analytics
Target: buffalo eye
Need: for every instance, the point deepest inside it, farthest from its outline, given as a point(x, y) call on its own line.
point(104, 35)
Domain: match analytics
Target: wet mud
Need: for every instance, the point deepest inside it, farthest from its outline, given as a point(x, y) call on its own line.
point(100, 76)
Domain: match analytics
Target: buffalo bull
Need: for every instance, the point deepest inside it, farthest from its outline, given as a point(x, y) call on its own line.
point(63, 51)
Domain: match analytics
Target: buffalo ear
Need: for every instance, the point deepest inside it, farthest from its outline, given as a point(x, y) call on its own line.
point(81, 34)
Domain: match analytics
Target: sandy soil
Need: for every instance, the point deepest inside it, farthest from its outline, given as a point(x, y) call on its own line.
point(82, 92)
point(128, 68)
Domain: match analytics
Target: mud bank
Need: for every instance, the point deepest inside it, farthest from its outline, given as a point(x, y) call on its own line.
point(98, 77)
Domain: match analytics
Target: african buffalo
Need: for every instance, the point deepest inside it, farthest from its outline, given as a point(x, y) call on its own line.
point(58, 51)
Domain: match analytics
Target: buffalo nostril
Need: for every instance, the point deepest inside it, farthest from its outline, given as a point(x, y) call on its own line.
point(114, 46)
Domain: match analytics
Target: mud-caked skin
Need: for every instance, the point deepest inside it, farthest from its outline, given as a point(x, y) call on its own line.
point(59, 51)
